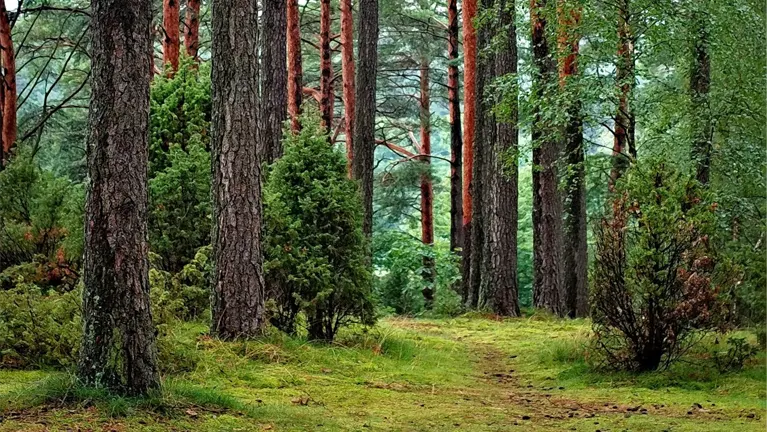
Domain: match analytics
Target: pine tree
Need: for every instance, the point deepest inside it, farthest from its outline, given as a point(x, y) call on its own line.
point(238, 282)
point(118, 349)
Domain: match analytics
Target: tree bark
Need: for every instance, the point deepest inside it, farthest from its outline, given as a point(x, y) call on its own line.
point(171, 43)
point(502, 213)
point(238, 282)
point(427, 196)
point(547, 207)
point(624, 122)
point(454, 118)
point(295, 73)
point(575, 223)
point(365, 109)
point(326, 67)
point(468, 12)
point(118, 349)
point(274, 92)
point(9, 128)
point(192, 28)
point(484, 137)
point(348, 76)
point(701, 148)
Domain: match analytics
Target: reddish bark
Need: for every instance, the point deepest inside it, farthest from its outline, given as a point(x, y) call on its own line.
point(468, 11)
point(624, 122)
point(326, 68)
point(171, 43)
point(295, 79)
point(192, 28)
point(427, 196)
point(8, 133)
point(454, 118)
point(348, 76)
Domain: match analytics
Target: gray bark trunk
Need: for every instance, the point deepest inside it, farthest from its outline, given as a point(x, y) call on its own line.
point(238, 281)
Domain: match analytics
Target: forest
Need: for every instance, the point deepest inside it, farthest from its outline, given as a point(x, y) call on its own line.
point(391, 215)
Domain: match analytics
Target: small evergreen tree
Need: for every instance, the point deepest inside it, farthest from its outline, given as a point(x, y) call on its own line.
point(316, 253)
point(653, 280)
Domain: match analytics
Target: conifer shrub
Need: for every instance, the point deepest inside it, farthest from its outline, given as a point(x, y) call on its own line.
point(315, 252)
point(180, 165)
point(653, 280)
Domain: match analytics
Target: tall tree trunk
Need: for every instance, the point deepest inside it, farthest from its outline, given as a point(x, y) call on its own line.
point(192, 28)
point(238, 282)
point(501, 235)
point(348, 76)
point(274, 92)
point(575, 223)
point(468, 13)
point(547, 207)
point(454, 118)
point(171, 43)
point(8, 132)
point(326, 67)
point(118, 348)
point(427, 197)
point(484, 136)
point(365, 109)
point(624, 122)
point(701, 148)
point(295, 73)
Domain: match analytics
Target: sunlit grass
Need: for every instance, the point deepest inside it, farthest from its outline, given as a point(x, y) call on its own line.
point(467, 373)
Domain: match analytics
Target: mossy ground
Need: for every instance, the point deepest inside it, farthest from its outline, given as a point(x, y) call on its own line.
point(469, 373)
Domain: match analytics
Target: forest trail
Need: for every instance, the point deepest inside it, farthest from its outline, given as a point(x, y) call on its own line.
point(463, 374)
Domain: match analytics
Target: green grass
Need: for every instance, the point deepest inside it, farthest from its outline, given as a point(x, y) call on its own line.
point(468, 373)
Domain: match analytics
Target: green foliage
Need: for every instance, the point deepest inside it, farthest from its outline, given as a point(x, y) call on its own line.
point(180, 165)
point(399, 285)
point(315, 250)
point(41, 220)
point(738, 352)
point(184, 295)
point(39, 329)
point(652, 281)
point(180, 206)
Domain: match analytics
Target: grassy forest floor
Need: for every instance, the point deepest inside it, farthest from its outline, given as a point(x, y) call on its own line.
point(469, 373)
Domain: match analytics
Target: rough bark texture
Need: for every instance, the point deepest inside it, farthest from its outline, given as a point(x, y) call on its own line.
point(238, 282)
point(8, 90)
point(427, 196)
point(348, 76)
point(624, 122)
point(274, 92)
point(295, 72)
point(454, 118)
point(701, 148)
point(575, 222)
point(326, 67)
point(484, 136)
point(468, 14)
point(501, 216)
point(171, 42)
point(192, 28)
point(118, 349)
point(365, 109)
point(547, 207)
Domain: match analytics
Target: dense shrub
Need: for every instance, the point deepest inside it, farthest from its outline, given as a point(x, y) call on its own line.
point(315, 249)
point(41, 223)
point(39, 329)
point(184, 295)
point(652, 280)
point(180, 165)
